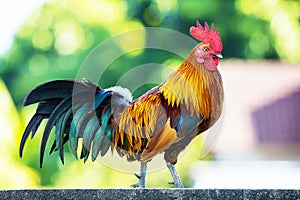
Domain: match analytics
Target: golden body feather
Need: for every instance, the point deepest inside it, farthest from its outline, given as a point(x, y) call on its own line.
point(191, 88)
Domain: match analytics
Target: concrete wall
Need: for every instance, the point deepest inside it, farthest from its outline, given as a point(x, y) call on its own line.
point(149, 194)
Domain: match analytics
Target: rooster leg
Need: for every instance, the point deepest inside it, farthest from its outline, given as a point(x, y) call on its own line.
point(176, 178)
point(142, 177)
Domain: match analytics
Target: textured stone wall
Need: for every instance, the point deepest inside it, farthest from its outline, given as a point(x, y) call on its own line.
point(149, 194)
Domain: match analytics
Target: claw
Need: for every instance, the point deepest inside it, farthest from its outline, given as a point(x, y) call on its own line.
point(138, 176)
point(136, 185)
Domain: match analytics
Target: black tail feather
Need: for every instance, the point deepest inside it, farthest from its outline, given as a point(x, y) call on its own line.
point(46, 107)
point(77, 110)
point(57, 112)
point(31, 127)
point(55, 89)
point(53, 147)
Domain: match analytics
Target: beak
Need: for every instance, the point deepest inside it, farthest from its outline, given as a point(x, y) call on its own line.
point(219, 55)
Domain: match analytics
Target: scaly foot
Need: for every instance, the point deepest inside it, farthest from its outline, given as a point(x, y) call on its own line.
point(177, 182)
point(142, 177)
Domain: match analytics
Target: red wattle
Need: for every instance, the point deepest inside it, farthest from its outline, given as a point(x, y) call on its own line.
point(216, 60)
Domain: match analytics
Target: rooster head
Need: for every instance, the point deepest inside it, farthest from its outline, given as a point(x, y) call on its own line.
point(209, 50)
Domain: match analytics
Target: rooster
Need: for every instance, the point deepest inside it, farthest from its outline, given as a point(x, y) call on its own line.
point(163, 120)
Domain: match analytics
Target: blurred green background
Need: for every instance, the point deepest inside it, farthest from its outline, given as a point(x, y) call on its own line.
point(56, 38)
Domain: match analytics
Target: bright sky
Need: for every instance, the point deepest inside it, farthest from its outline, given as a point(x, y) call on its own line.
point(13, 14)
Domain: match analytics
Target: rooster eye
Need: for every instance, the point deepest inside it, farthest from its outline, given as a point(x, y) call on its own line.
point(205, 49)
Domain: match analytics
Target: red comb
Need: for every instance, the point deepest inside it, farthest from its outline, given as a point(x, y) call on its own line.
point(204, 34)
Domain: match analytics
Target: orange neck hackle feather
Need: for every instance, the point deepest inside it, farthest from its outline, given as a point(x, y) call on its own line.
point(200, 91)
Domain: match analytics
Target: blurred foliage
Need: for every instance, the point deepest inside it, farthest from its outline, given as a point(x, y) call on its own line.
point(56, 39)
point(13, 173)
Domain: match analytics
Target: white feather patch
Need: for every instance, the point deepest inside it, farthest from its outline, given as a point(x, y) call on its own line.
point(122, 91)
